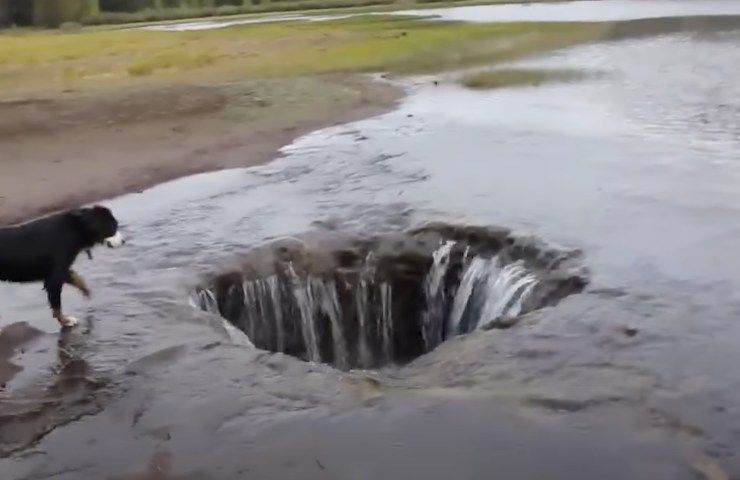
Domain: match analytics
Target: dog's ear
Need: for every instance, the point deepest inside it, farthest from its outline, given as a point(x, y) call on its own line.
point(77, 213)
point(82, 217)
point(96, 223)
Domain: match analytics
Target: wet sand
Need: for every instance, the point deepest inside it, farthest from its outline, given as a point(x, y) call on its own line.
point(69, 149)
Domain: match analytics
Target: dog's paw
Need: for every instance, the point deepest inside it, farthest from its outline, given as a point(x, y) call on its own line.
point(68, 322)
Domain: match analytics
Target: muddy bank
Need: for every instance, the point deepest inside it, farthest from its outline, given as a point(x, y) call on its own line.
point(70, 149)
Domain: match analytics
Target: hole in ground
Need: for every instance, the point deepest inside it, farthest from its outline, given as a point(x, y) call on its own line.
point(363, 303)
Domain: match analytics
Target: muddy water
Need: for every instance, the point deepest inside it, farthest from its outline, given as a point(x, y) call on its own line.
point(635, 378)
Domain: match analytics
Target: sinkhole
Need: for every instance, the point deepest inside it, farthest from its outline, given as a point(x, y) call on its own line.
point(366, 302)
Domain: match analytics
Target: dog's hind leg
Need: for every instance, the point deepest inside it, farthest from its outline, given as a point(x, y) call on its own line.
point(78, 282)
point(53, 286)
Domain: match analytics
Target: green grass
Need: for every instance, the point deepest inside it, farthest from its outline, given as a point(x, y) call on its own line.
point(44, 59)
point(173, 59)
point(512, 77)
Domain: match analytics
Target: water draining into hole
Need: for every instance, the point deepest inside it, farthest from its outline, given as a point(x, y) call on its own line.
point(364, 303)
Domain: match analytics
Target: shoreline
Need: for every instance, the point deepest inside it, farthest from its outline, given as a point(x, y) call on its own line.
point(151, 136)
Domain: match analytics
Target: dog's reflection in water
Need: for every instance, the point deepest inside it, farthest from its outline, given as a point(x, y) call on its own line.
point(73, 374)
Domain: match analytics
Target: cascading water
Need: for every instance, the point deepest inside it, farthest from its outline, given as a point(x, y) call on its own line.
point(488, 293)
point(435, 295)
point(391, 300)
point(205, 300)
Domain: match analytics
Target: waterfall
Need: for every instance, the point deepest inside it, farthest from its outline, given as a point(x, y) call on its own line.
point(476, 271)
point(365, 319)
point(386, 321)
point(508, 288)
point(328, 303)
point(250, 304)
point(493, 293)
point(435, 295)
point(205, 300)
point(361, 298)
point(273, 287)
point(304, 299)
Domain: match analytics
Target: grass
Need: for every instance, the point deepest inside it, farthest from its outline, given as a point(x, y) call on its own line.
point(172, 59)
point(512, 77)
point(45, 60)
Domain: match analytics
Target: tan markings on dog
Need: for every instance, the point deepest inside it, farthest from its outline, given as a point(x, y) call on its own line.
point(79, 283)
point(63, 319)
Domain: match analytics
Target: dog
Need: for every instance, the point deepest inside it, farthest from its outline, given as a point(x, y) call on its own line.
point(44, 250)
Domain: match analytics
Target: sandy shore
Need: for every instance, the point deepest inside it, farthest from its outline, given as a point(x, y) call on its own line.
point(70, 149)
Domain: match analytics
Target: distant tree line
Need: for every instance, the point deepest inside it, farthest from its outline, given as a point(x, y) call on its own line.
point(136, 5)
point(52, 13)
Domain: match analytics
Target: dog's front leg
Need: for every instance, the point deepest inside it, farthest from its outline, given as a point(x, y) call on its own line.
point(53, 286)
point(74, 279)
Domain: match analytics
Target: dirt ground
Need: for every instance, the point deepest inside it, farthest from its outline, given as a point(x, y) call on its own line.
point(70, 149)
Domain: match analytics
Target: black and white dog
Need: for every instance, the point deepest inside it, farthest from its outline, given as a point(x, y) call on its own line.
point(44, 251)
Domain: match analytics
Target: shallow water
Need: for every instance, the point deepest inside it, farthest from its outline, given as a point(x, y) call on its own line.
point(582, 11)
point(575, 11)
point(637, 166)
point(226, 22)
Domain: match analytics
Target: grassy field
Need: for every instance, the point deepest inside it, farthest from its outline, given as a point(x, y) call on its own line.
point(89, 59)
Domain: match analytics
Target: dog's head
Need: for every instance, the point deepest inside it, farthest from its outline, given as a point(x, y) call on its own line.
point(99, 226)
